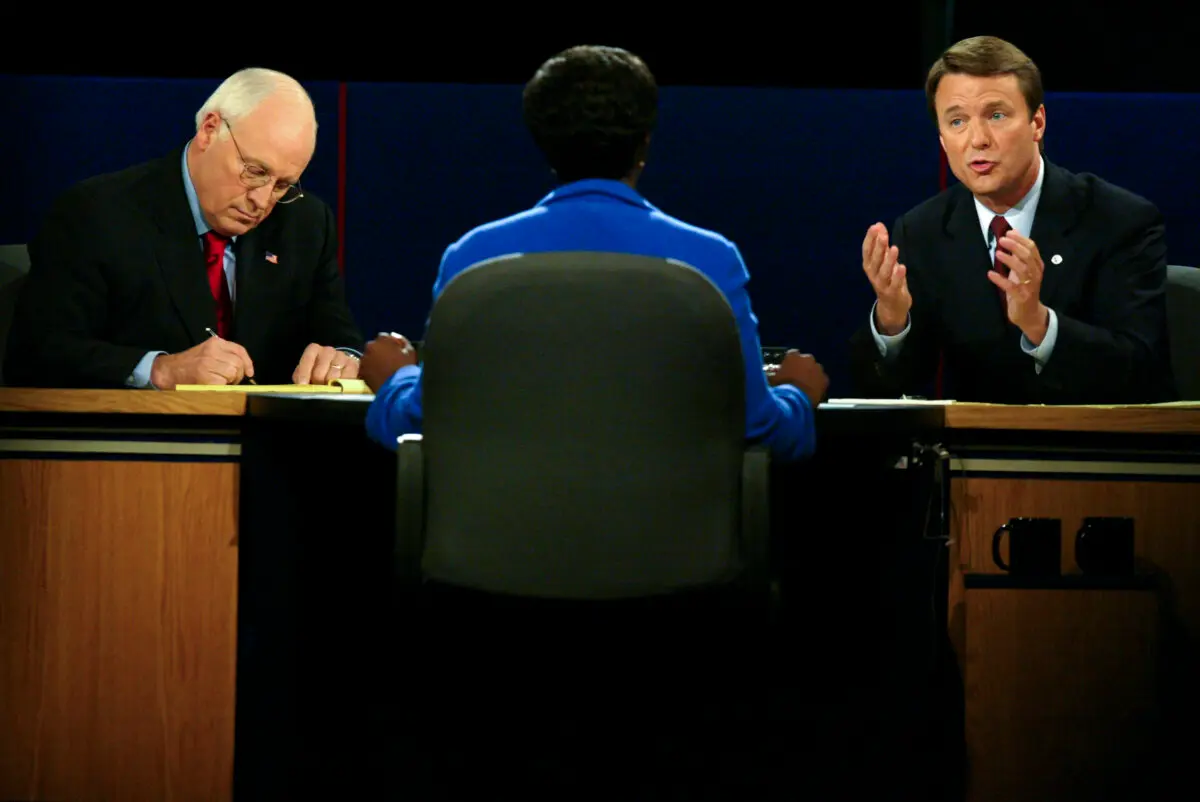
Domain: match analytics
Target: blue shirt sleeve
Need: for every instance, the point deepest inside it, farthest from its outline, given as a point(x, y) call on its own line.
point(396, 409)
point(781, 418)
point(140, 378)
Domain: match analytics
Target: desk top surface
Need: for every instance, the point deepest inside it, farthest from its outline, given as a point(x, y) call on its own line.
point(1157, 419)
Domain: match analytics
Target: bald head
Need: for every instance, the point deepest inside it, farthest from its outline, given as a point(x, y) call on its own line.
point(255, 136)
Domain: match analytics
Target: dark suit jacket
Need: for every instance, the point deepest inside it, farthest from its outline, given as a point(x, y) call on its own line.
point(117, 270)
point(1109, 293)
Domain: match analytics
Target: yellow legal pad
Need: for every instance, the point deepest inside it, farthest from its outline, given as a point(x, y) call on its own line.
point(348, 386)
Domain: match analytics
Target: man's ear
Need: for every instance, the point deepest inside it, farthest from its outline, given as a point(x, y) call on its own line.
point(208, 131)
point(1038, 122)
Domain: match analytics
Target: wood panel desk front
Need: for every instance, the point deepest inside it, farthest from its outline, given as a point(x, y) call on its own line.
point(123, 516)
point(1052, 711)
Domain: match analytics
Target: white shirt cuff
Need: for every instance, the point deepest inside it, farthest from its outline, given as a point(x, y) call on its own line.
point(1041, 353)
point(888, 344)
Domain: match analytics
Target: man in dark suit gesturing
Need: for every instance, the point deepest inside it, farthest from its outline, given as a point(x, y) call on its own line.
point(1034, 284)
point(207, 266)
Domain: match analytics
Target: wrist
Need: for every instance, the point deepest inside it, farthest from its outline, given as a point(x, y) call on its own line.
point(1036, 332)
point(160, 378)
point(888, 322)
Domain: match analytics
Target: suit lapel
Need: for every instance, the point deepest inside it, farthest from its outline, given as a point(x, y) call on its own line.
point(969, 262)
point(1057, 212)
point(177, 249)
point(251, 261)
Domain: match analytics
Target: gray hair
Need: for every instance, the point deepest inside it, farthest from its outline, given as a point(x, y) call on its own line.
point(242, 92)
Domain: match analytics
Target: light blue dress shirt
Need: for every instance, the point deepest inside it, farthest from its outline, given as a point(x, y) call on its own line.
point(140, 378)
point(1020, 217)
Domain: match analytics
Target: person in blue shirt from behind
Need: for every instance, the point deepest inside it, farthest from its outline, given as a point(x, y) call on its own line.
point(591, 111)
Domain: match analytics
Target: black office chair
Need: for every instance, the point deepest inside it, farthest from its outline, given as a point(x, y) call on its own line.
point(14, 268)
point(584, 434)
point(1183, 318)
point(588, 529)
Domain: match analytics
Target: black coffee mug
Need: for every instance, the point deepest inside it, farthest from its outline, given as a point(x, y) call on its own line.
point(1034, 547)
point(1104, 546)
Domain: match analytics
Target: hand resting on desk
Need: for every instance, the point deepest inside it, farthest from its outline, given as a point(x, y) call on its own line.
point(321, 364)
point(383, 356)
point(802, 371)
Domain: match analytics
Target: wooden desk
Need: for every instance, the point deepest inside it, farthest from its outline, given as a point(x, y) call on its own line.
point(151, 543)
point(127, 599)
point(1070, 463)
point(118, 594)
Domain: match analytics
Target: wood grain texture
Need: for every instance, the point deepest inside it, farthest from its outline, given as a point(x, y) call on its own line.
point(118, 584)
point(1147, 420)
point(1061, 694)
point(138, 402)
point(1059, 684)
point(1166, 524)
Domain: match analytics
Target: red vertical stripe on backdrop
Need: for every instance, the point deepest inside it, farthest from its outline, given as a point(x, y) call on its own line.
point(943, 182)
point(341, 178)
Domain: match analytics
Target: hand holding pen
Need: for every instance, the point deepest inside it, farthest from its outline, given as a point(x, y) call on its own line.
point(250, 366)
point(214, 361)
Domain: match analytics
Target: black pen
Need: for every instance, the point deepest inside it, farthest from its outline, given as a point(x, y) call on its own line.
point(214, 334)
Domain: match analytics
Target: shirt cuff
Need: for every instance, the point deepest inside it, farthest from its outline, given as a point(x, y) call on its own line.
point(887, 343)
point(1041, 353)
point(140, 378)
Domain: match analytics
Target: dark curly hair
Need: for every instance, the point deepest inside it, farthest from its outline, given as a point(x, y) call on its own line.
point(590, 110)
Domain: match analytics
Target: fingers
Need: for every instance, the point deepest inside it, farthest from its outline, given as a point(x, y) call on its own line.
point(349, 369)
point(1016, 238)
point(874, 250)
point(324, 367)
point(221, 369)
point(229, 352)
point(245, 364)
point(896, 280)
point(884, 277)
point(1020, 257)
point(303, 373)
point(406, 346)
point(1020, 273)
point(870, 240)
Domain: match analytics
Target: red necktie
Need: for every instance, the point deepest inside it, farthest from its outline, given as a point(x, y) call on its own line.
point(1000, 227)
point(214, 260)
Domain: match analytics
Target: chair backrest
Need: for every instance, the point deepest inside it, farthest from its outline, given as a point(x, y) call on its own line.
point(14, 266)
point(1183, 318)
point(584, 428)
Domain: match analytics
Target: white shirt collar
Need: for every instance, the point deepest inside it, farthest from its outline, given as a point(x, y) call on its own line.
point(1020, 217)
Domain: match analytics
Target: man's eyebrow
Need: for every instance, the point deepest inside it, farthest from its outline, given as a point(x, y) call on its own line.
point(260, 163)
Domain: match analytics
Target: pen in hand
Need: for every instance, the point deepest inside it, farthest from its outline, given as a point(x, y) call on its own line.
point(212, 333)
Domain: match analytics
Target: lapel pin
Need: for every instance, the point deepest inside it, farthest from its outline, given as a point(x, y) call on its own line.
point(273, 259)
point(1056, 259)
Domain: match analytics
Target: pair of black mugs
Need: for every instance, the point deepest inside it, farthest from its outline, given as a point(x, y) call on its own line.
point(1103, 547)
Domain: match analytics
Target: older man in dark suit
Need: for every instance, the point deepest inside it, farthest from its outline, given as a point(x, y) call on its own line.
point(1034, 284)
point(207, 266)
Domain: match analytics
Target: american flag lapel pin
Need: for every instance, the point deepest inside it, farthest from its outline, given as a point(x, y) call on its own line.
point(272, 258)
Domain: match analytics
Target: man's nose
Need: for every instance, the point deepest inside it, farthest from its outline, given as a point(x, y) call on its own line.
point(981, 137)
point(261, 196)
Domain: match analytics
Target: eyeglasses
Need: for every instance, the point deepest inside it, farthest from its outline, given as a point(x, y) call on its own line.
point(254, 176)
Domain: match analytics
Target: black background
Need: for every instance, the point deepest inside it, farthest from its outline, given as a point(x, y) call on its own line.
point(1141, 47)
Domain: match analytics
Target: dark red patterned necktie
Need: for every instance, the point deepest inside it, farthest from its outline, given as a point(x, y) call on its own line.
point(214, 260)
point(1000, 227)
